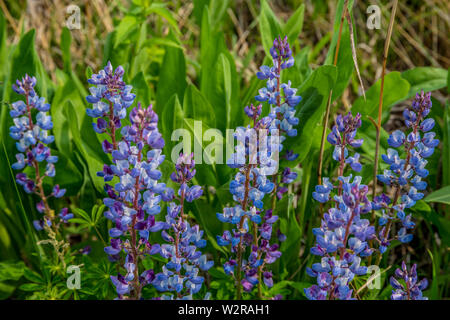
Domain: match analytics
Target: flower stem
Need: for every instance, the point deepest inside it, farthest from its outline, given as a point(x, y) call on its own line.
point(380, 103)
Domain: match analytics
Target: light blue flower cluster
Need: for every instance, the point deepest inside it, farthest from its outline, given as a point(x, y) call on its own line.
point(342, 239)
point(133, 200)
point(256, 159)
point(248, 188)
point(282, 110)
point(412, 288)
point(342, 136)
point(33, 139)
point(180, 274)
point(110, 97)
point(406, 174)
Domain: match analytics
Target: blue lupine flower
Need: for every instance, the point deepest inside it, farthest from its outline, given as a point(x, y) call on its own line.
point(133, 201)
point(32, 142)
point(342, 239)
point(412, 288)
point(255, 161)
point(184, 239)
point(406, 173)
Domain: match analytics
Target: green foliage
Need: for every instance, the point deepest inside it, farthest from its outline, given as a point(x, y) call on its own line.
point(195, 74)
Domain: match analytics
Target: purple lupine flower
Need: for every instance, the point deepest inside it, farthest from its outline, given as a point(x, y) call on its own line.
point(342, 136)
point(32, 142)
point(405, 174)
point(133, 200)
point(411, 288)
point(342, 239)
point(252, 182)
point(180, 274)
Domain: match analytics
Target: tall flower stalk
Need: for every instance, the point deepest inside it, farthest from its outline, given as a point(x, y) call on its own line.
point(256, 162)
point(405, 174)
point(342, 238)
point(133, 198)
point(180, 274)
point(31, 130)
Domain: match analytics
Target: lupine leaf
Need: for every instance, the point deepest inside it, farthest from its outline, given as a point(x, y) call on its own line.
point(172, 77)
point(441, 196)
point(425, 78)
point(269, 26)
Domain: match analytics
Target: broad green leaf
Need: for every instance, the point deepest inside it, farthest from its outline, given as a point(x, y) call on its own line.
point(311, 109)
point(172, 77)
point(217, 10)
point(172, 119)
point(294, 25)
point(196, 106)
point(93, 164)
point(10, 270)
point(425, 78)
point(66, 40)
point(269, 26)
point(396, 89)
point(127, 25)
point(441, 196)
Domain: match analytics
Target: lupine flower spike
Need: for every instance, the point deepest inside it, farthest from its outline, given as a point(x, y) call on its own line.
point(255, 162)
point(181, 274)
point(405, 173)
point(134, 200)
point(33, 138)
point(411, 288)
point(283, 100)
point(342, 239)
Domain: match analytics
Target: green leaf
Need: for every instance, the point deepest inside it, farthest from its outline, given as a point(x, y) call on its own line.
point(294, 25)
point(93, 164)
point(196, 106)
point(66, 40)
point(32, 276)
point(425, 78)
point(269, 26)
point(300, 286)
point(441, 196)
point(434, 283)
point(446, 146)
point(83, 214)
point(159, 9)
point(172, 77)
point(11, 270)
point(311, 109)
point(396, 89)
point(217, 9)
point(172, 118)
point(31, 287)
point(127, 25)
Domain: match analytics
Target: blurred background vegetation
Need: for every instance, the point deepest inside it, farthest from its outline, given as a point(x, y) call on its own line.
point(173, 47)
